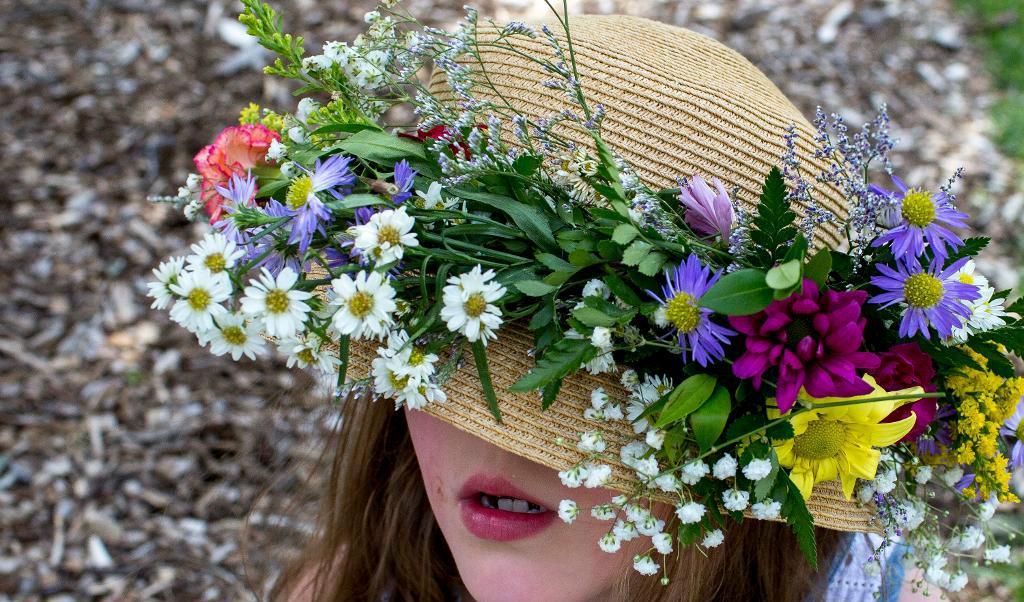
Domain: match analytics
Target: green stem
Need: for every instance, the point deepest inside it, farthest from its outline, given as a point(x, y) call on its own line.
point(480, 357)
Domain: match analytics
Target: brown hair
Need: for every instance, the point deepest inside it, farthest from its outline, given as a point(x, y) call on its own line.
point(376, 535)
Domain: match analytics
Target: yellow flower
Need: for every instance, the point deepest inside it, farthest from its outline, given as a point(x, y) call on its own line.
point(836, 438)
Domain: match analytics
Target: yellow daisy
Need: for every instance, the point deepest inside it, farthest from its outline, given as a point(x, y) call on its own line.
point(837, 438)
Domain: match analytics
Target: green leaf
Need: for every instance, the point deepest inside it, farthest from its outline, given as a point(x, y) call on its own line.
point(818, 267)
point(744, 425)
point(740, 293)
point(997, 363)
point(267, 189)
point(781, 431)
point(1017, 307)
point(1012, 336)
point(785, 276)
point(359, 199)
point(772, 230)
point(624, 233)
point(685, 398)
point(797, 250)
point(380, 147)
point(555, 263)
point(526, 164)
point(550, 394)
point(335, 128)
point(651, 264)
point(593, 317)
point(688, 534)
point(635, 253)
point(799, 518)
point(561, 358)
point(534, 288)
point(620, 289)
point(709, 420)
point(544, 315)
point(480, 358)
point(764, 487)
point(972, 246)
point(529, 219)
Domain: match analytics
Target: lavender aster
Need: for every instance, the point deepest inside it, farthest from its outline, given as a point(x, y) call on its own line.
point(305, 205)
point(697, 334)
point(921, 216)
point(239, 193)
point(403, 182)
point(1014, 427)
point(933, 296)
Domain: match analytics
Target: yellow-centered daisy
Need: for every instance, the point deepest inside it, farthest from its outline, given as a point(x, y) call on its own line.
point(836, 438)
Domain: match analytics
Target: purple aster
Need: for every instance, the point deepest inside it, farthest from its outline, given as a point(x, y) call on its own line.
point(920, 216)
point(304, 204)
point(684, 285)
point(709, 212)
point(933, 297)
point(403, 182)
point(240, 192)
point(1014, 427)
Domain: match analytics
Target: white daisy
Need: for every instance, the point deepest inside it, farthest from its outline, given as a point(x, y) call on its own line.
point(966, 275)
point(200, 293)
point(417, 397)
point(215, 253)
point(986, 313)
point(365, 305)
point(432, 198)
point(282, 309)
point(307, 350)
point(469, 305)
point(384, 237)
point(166, 274)
point(234, 336)
point(411, 360)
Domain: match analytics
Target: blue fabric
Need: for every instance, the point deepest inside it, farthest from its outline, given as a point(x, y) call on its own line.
point(894, 572)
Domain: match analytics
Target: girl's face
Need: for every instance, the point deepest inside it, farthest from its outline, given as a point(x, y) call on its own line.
point(499, 514)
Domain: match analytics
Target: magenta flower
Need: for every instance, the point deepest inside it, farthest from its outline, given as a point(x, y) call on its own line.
point(812, 340)
point(901, 367)
point(708, 212)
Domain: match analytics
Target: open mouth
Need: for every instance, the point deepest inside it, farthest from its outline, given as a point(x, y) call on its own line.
point(494, 509)
point(510, 504)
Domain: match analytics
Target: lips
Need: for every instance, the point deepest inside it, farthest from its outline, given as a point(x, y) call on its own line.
point(494, 509)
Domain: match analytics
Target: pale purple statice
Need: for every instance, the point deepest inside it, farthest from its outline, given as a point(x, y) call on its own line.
point(698, 336)
point(800, 189)
point(933, 296)
point(303, 201)
point(846, 158)
point(1014, 428)
point(240, 192)
point(404, 175)
point(920, 216)
point(709, 212)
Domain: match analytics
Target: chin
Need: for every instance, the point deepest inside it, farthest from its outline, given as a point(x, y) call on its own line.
point(501, 576)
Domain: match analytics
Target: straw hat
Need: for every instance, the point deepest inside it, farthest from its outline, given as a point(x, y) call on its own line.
point(678, 103)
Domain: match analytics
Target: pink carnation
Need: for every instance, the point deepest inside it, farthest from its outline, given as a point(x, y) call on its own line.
point(902, 367)
point(234, 152)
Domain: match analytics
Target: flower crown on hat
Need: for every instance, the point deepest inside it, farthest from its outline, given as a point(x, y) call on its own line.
point(769, 365)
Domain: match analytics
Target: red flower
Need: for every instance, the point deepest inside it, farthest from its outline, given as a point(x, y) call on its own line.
point(813, 339)
point(439, 131)
point(233, 152)
point(902, 367)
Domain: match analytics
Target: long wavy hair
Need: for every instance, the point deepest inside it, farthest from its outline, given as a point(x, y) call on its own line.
point(376, 539)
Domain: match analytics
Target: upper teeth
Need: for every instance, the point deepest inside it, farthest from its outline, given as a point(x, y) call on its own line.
point(510, 504)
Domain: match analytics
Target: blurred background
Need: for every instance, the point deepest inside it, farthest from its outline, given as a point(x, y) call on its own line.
point(130, 458)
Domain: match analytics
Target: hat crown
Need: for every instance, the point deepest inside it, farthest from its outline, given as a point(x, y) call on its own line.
point(678, 103)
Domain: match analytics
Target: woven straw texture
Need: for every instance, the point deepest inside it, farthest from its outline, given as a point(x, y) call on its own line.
point(678, 103)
